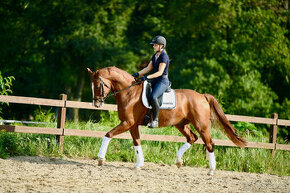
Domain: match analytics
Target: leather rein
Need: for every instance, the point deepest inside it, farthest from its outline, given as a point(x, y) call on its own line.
point(114, 93)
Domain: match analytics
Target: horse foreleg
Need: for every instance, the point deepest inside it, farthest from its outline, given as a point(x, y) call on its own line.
point(191, 138)
point(122, 127)
point(135, 133)
point(103, 150)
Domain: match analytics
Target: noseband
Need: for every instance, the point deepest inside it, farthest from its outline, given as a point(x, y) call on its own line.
point(102, 98)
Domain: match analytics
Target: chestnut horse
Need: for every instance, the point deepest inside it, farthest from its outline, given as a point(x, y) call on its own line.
point(191, 107)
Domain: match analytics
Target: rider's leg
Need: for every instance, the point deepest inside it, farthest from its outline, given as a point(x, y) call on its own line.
point(157, 90)
point(155, 111)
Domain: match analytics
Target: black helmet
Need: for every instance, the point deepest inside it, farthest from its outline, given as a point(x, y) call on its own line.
point(159, 40)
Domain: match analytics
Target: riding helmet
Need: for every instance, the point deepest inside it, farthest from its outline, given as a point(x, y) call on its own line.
point(159, 40)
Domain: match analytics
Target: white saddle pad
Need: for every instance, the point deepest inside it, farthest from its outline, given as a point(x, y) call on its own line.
point(169, 98)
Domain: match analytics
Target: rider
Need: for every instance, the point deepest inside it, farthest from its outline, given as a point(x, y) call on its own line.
point(159, 78)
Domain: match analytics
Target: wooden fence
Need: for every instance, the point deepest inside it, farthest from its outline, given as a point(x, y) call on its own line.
point(61, 131)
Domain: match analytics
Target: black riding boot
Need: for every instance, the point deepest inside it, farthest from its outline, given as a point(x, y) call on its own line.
point(155, 112)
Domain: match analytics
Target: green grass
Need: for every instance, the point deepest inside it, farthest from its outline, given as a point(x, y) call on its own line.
point(228, 158)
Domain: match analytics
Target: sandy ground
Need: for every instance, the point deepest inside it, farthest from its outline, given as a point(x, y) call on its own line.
point(38, 174)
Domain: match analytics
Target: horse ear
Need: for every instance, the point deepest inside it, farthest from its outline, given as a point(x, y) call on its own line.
point(90, 72)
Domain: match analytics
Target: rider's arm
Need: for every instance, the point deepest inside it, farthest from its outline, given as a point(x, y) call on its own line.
point(146, 69)
point(159, 72)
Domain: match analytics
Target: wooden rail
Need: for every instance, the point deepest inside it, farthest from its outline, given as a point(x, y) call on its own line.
point(61, 131)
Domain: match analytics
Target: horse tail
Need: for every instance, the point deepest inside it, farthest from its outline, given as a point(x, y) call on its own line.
point(218, 115)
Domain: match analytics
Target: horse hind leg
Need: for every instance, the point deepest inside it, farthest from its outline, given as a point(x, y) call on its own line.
point(190, 137)
point(205, 135)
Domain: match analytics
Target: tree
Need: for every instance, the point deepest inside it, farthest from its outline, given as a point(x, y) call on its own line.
point(236, 50)
point(56, 45)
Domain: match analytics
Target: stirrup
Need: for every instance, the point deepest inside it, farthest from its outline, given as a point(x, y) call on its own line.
point(153, 124)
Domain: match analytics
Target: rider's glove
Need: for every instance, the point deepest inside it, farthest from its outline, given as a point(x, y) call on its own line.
point(136, 75)
point(143, 78)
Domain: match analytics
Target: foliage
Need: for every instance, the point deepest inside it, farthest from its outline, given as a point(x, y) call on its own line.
point(5, 86)
point(235, 50)
point(109, 118)
point(8, 145)
point(248, 127)
point(41, 115)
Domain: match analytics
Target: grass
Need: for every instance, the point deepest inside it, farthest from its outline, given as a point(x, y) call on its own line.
point(228, 158)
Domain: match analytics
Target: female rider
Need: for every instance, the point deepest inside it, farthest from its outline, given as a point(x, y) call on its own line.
point(159, 78)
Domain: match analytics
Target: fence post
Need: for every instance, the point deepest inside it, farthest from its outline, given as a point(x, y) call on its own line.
point(273, 132)
point(61, 114)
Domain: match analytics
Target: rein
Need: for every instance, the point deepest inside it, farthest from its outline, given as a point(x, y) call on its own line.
point(103, 97)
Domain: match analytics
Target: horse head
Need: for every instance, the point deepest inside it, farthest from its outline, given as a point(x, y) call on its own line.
point(100, 88)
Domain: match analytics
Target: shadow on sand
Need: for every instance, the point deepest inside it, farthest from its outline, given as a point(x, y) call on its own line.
point(48, 160)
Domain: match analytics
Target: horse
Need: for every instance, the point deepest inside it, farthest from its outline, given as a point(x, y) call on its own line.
point(194, 108)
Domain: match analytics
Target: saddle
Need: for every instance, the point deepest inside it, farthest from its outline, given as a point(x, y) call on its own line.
point(166, 101)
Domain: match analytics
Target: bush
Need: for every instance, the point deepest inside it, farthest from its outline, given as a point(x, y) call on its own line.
point(110, 118)
point(248, 127)
point(8, 144)
point(42, 115)
point(5, 86)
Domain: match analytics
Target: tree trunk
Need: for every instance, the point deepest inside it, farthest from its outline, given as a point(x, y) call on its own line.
point(286, 4)
point(68, 92)
point(78, 96)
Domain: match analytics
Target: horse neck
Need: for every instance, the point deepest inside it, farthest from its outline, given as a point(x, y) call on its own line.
point(118, 85)
point(128, 96)
point(127, 93)
point(121, 80)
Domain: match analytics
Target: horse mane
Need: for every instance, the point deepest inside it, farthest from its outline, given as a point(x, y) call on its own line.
point(117, 73)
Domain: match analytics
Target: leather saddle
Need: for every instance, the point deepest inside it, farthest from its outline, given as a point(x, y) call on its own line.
point(166, 101)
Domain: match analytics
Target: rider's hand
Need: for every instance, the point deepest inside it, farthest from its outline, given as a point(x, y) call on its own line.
point(136, 75)
point(143, 78)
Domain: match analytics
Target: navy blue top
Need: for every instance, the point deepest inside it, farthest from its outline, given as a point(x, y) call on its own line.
point(163, 58)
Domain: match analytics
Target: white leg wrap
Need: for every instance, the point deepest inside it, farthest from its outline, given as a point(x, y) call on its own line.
point(104, 147)
point(181, 151)
point(211, 161)
point(139, 155)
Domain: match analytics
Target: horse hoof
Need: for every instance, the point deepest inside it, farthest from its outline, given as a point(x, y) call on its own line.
point(101, 162)
point(210, 172)
point(137, 168)
point(178, 164)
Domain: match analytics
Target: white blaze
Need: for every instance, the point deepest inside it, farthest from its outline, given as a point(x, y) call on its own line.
point(93, 88)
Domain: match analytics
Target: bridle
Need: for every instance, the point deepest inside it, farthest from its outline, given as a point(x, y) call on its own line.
point(101, 99)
